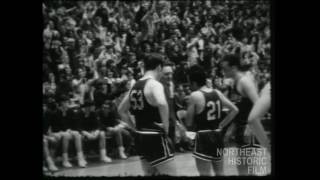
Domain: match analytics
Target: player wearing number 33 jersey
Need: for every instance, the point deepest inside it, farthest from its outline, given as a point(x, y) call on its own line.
point(204, 114)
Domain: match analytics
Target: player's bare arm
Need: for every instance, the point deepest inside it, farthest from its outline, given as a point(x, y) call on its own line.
point(248, 88)
point(191, 109)
point(259, 109)
point(160, 101)
point(123, 110)
point(233, 110)
point(262, 105)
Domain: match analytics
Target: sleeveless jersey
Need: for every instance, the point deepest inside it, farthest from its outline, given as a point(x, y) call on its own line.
point(244, 105)
point(145, 114)
point(210, 117)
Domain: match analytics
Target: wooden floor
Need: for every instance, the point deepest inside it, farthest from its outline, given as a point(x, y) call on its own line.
point(131, 167)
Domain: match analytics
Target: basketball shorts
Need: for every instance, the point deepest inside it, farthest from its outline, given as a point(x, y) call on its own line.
point(240, 138)
point(208, 145)
point(154, 147)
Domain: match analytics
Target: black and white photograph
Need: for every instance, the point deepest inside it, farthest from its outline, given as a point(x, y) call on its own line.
point(156, 88)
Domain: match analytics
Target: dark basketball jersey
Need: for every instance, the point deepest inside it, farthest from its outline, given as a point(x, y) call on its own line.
point(145, 114)
point(210, 117)
point(244, 104)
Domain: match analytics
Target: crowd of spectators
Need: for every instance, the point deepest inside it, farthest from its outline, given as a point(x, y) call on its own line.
point(93, 51)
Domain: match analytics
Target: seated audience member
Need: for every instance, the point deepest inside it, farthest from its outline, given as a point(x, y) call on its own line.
point(57, 127)
point(112, 125)
point(49, 162)
point(74, 116)
point(90, 129)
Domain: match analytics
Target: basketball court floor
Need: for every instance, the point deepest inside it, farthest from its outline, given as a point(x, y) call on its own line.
point(185, 164)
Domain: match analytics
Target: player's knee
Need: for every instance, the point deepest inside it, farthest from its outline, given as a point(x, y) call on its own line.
point(67, 136)
point(102, 134)
point(117, 131)
point(77, 135)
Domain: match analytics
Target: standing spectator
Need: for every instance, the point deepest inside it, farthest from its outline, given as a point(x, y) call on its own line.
point(181, 73)
point(151, 19)
point(176, 55)
point(50, 86)
point(192, 52)
point(55, 54)
point(208, 59)
point(69, 47)
point(139, 70)
point(208, 29)
point(48, 34)
point(132, 61)
point(79, 84)
point(112, 67)
point(131, 80)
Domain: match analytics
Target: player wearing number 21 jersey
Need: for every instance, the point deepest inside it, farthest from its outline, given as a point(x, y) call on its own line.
point(204, 114)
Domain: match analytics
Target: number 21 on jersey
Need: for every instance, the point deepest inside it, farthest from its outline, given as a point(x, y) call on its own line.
point(213, 108)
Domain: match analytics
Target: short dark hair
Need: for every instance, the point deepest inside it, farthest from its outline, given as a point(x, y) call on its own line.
point(197, 75)
point(232, 59)
point(152, 61)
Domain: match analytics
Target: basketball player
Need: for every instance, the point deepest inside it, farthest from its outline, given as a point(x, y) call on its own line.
point(246, 94)
point(260, 108)
point(204, 111)
point(147, 103)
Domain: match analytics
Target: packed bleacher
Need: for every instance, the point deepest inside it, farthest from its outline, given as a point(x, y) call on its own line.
point(93, 53)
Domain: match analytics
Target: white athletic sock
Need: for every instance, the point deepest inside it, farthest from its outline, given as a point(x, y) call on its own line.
point(80, 155)
point(121, 149)
point(49, 160)
point(121, 152)
point(65, 157)
point(103, 152)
